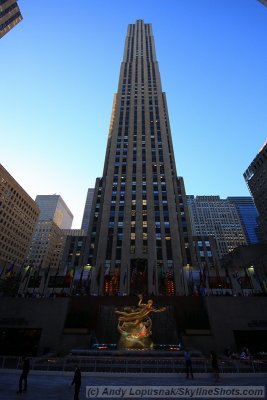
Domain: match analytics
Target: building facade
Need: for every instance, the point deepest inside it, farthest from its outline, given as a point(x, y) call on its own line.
point(256, 179)
point(46, 247)
point(18, 218)
point(49, 239)
point(53, 207)
point(87, 209)
point(213, 216)
point(248, 214)
point(138, 229)
point(10, 16)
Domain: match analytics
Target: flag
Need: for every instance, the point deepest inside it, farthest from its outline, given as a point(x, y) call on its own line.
point(9, 271)
point(191, 277)
point(200, 275)
point(57, 271)
point(27, 271)
point(161, 274)
point(133, 275)
point(237, 277)
point(107, 271)
point(98, 276)
point(20, 270)
point(125, 276)
point(169, 274)
point(37, 271)
point(204, 274)
point(154, 275)
point(227, 275)
point(69, 276)
point(3, 270)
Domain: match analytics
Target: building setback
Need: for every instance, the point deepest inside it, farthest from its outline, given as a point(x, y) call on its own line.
point(213, 216)
point(10, 16)
point(18, 218)
point(256, 179)
point(138, 229)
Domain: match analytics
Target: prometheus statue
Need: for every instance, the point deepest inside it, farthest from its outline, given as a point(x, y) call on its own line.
point(135, 326)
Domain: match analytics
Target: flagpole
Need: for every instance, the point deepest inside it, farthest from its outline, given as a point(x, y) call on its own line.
point(99, 278)
point(56, 274)
point(46, 278)
point(125, 280)
point(39, 269)
point(247, 274)
point(73, 278)
point(4, 268)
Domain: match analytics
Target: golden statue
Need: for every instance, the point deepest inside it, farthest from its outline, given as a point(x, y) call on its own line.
point(135, 326)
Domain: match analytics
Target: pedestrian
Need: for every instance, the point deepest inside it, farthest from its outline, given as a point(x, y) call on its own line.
point(214, 365)
point(188, 364)
point(77, 380)
point(24, 375)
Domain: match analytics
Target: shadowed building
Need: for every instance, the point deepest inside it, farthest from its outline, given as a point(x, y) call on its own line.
point(87, 209)
point(18, 218)
point(256, 179)
point(264, 2)
point(139, 228)
point(10, 16)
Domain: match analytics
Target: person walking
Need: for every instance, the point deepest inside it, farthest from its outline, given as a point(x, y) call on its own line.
point(77, 381)
point(214, 366)
point(188, 364)
point(24, 375)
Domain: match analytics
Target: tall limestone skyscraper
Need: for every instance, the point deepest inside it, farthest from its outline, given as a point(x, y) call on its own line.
point(138, 238)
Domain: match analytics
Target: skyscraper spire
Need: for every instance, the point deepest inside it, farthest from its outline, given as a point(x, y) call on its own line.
point(139, 223)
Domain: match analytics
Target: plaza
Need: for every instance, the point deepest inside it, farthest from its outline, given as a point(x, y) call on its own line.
point(43, 385)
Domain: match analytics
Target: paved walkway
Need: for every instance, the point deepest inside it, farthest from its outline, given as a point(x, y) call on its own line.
point(56, 386)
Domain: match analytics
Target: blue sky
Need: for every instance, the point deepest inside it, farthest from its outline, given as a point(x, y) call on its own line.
point(60, 68)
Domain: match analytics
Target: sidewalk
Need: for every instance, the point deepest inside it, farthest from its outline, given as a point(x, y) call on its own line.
point(56, 386)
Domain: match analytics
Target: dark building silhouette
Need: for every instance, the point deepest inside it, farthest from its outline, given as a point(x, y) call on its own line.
point(256, 179)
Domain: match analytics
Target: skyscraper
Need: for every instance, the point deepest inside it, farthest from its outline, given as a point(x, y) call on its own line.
point(139, 231)
point(248, 214)
point(48, 239)
point(211, 215)
point(52, 207)
point(10, 16)
point(87, 209)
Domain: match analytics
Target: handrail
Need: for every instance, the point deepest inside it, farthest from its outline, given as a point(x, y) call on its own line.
point(126, 364)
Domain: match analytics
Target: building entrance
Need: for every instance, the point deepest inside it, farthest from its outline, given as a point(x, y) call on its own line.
point(138, 276)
